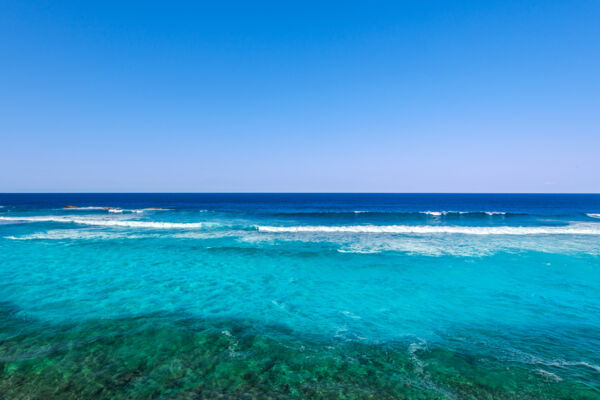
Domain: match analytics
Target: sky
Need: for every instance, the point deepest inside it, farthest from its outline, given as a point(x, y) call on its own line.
point(405, 96)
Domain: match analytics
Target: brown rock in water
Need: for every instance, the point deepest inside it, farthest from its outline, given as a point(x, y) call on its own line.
point(68, 206)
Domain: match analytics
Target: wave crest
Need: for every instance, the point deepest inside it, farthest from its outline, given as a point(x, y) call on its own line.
point(574, 229)
point(111, 222)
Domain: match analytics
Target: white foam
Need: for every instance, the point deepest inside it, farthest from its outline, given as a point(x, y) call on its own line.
point(423, 246)
point(564, 363)
point(350, 315)
point(141, 210)
point(582, 364)
point(135, 210)
point(358, 251)
point(116, 209)
point(592, 215)
point(440, 213)
point(434, 213)
point(71, 234)
point(109, 222)
point(549, 375)
point(428, 245)
point(573, 229)
point(85, 208)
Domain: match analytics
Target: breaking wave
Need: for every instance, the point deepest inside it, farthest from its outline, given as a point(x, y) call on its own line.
point(119, 220)
point(573, 229)
point(111, 222)
point(406, 214)
point(473, 213)
point(72, 234)
point(73, 208)
point(115, 210)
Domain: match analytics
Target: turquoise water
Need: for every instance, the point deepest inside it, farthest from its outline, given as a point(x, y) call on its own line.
point(300, 296)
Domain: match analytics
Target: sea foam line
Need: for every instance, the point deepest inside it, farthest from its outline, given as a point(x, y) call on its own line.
point(405, 213)
point(592, 215)
point(575, 229)
point(135, 210)
point(104, 222)
point(84, 208)
point(116, 210)
point(440, 213)
point(73, 234)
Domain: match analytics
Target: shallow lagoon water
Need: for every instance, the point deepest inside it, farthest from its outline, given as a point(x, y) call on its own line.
point(300, 296)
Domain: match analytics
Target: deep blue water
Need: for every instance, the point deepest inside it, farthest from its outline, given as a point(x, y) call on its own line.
point(300, 295)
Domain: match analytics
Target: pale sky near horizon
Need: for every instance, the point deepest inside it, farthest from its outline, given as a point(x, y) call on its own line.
point(434, 96)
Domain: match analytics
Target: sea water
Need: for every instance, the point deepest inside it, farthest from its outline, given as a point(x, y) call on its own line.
point(299, 296)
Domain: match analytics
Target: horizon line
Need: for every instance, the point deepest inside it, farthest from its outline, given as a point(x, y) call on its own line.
point(444, 193)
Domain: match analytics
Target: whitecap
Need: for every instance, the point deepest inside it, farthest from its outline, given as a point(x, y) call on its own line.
point(117, 209)
point(71, 234)
point(110, 222)
point(135, 210)
point(572, 229)
point(141, 210)
point(359, 251)
point(440, 213)
point(74, 208)
point(434, 213)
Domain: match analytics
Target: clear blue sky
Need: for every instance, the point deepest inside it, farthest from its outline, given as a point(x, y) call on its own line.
point(420, 96)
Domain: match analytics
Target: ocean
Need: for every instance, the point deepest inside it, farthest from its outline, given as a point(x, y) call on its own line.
point(302, 296)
